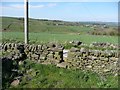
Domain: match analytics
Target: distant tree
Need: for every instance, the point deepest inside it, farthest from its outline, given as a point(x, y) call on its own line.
point(111, 33)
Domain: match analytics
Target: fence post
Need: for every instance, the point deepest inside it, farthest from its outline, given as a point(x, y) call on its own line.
point(26, 33)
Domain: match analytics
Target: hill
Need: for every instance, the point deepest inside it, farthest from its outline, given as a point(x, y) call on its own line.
point(43, 30)
point(42, 25)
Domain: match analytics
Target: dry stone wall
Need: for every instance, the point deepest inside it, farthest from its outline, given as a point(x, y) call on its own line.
point(94, 60)
point(47, 54)
point(78, 58)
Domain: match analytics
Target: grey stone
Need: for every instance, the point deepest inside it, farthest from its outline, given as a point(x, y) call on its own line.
point(75, 43)
point(83, 50)
point(43, 57)
point(62, 65)
point(73, 49)
point(46, 63)
point(89, 66)
point(35, 56)
point(15, 83)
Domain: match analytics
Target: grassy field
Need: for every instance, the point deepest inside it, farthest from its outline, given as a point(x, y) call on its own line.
point(17, 25)
point(42, 31)
point(49, 76)
point(46, 37)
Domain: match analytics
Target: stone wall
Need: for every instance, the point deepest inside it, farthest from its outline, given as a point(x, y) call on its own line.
point(50, 53)
point(94, 60)
point(78, 58)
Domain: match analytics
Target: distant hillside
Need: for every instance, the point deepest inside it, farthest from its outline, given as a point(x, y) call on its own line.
point(101, 23)
point(41, 25)
point(10, 24)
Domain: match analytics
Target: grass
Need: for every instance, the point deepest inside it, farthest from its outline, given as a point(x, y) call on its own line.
point(16, 25)
point(49, 76)
point(46, 37)
point(44, 31)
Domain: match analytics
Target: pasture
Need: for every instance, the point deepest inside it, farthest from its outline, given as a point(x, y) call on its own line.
point(42, 31)
point(62, 38)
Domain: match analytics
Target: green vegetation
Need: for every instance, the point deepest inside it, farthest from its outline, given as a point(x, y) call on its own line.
point(42, 31)
point(16, 25)
point(48, 76)
point(107, 31)
point(46, 37)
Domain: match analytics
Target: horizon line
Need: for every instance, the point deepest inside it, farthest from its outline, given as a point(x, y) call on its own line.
point(58, 19)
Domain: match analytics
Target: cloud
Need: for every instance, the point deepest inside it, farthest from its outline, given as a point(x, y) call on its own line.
point(12, 6)
point(43, 6)
point(21, 6)
point(37, 6)
point(18, 6)
point(51, 4)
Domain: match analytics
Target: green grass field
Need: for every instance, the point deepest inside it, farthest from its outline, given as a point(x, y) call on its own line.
point(16, 25)
point(46, 37)
point(41, 31)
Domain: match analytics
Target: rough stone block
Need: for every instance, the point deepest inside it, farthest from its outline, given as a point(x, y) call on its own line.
point(62, 65)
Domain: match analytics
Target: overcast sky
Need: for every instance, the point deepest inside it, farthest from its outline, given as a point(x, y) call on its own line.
point(68, 11)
